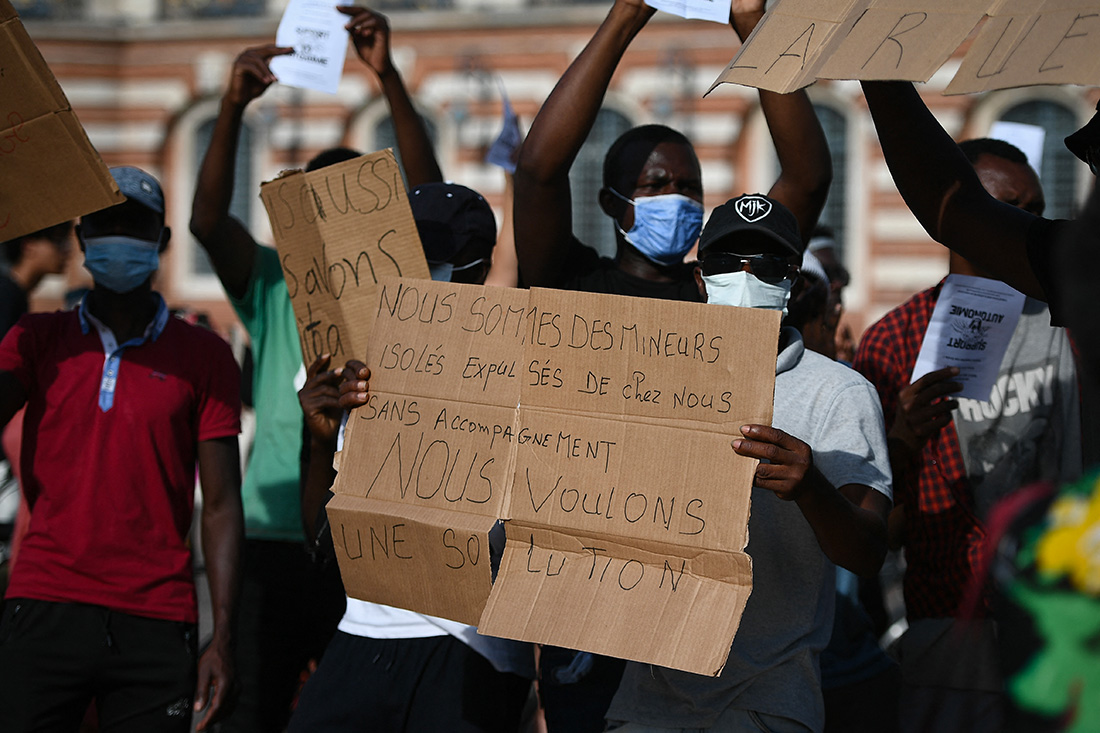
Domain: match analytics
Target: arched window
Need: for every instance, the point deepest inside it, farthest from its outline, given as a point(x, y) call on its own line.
point(833, 215)
point(590, 224)
point(1059, 168)
point(243, 187)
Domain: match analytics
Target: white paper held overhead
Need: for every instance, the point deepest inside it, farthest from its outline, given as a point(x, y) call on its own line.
point(316, 31)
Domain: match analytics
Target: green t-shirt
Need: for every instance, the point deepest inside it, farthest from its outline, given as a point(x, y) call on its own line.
point(270, 489)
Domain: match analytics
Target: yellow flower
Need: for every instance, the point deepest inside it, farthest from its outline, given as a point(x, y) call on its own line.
point(1071, 546)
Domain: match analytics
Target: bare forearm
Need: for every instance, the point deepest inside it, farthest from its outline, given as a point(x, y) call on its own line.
point(925, 162)
point(941, 189)
point(417, 153)
point(222, 534)
point(806, 168)
point(562, 125)
point(852, 536)
point(319, 478)
point(214, 187)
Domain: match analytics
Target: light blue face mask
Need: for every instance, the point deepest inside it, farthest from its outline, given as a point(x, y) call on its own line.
point(745, 290)
point(665, 227)
point(120, 263)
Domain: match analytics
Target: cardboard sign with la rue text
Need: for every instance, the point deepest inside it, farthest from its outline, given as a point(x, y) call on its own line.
point(338, 230)
point(49, 171)
point(599, 426)
point(1020, 43)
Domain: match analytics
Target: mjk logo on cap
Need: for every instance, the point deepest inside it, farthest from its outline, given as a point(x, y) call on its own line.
point(753, 208)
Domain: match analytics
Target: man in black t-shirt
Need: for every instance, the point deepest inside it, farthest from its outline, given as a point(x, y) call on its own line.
point(652, 182)
point(653, 193)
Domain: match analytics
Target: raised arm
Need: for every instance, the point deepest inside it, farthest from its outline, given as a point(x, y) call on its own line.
point(806, 170)
point(222, 532)
point(543, 218)
point(941, 189)
point(231, 248)
point(370, 34)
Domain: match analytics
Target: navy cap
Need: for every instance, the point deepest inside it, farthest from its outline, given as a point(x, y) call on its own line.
point(450, 219)
point(753, 212)
point(137, 185)
point(1085, 138)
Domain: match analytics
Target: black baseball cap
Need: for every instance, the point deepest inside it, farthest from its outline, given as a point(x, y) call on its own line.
point(1085, 138)
point(753, 213)
point(450, 219)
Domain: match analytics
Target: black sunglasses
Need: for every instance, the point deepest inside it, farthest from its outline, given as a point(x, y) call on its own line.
point(769, 268)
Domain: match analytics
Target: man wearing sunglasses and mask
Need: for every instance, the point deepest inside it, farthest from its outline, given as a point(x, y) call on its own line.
point(820, 496)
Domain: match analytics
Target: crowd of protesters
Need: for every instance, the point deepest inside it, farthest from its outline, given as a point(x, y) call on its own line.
point(119, 402)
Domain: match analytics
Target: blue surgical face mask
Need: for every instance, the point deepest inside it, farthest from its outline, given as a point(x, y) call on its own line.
point(665, 227)
point(746, 290)
point(120, 263)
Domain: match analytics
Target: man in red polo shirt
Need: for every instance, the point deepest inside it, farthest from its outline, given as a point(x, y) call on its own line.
point(122, 401)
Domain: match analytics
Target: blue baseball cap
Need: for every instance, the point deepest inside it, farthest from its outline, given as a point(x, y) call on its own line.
point(137, 185)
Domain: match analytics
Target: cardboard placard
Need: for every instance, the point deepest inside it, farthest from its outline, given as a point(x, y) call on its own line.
point(338, 230)
point(599, 426)
point(1023, 42)
point(1034, 42)
point(49, 171)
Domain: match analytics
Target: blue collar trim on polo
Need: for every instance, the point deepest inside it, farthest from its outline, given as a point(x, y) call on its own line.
point(112, 350)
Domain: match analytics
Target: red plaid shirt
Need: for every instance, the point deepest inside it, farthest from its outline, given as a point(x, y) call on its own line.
point(943, 537)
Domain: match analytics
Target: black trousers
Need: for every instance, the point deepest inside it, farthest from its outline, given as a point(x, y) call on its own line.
point(430, 685)
point(56, 658)
point(288, 611)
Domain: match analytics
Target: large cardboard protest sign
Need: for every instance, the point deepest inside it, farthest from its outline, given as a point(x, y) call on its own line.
point(599, 426)
point(49, 172)
point(339, 229)
point(1022, 42)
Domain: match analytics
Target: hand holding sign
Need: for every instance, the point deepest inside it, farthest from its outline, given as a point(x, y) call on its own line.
point(320, 400)
point(355, 385)
point(790, 460)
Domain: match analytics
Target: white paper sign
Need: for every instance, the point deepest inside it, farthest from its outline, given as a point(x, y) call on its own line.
point(971, 326)
point(1028, 138)
point(316, 31)
point(716, 10)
